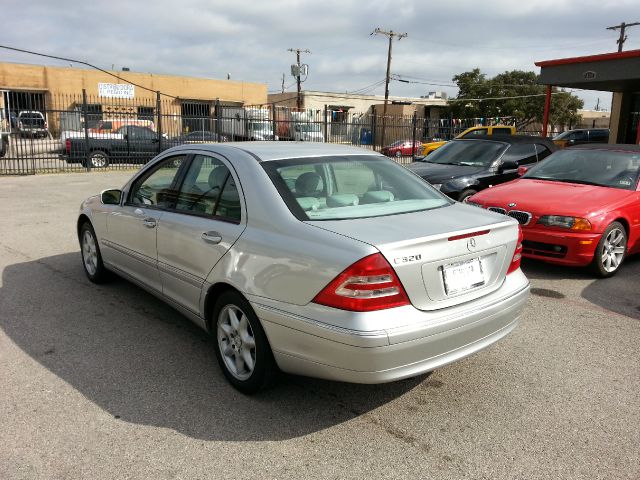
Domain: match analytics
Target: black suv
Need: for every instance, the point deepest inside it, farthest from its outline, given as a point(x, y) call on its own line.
point(462, 167)
point(582, 135)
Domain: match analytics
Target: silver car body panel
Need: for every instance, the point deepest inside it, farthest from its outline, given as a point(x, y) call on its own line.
point(281, 263)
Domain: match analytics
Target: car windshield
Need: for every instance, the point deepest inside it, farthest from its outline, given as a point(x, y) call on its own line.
point(476, 153)
point(607, 168)
point(340, 188)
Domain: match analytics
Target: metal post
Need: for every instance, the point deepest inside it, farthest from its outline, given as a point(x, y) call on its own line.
point(326, 129)
point(547, 107)
point(374, 118)
point(413, 144)
point(86, 130)
point(273, 121)
point(159, 113)
point(218, 120)
point(451, 126)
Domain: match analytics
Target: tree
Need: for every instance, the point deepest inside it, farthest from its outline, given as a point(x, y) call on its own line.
point(525, 108)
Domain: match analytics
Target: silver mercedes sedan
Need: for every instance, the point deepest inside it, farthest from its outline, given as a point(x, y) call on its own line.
point(313, 259)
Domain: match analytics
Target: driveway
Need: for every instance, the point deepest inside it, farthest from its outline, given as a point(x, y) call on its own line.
point(107, 382)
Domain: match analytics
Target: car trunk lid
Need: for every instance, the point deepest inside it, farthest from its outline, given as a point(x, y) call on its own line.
point(443, 257)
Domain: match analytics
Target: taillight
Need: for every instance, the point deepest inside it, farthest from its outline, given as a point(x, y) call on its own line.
point(67, 146)
point(367, 285)
point(517, 255)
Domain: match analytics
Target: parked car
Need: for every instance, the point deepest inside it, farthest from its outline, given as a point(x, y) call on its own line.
point(430, 146)
point(199, 136)
point(463, 167)
point(402, 148)
point(582, 136)
point(579, 207)
point(129, 144)
point(315, 259)
point(31, 123)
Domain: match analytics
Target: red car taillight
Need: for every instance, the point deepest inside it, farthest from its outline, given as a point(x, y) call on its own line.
point(67, 146)
point(367, 285)
point(517, 255)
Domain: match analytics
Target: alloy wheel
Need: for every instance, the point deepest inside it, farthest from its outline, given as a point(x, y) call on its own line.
point(613, 250)
point(236, 342)
point(89, 253)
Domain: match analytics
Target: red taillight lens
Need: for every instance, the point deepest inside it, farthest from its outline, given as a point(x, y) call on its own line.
point(67, 146)
point(517, 255)
point(367, 285)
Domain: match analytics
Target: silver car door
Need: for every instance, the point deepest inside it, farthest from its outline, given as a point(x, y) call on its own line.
point(207, 220)
point(130, 240)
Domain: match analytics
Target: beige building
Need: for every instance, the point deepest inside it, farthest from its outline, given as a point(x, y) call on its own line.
point(52, 90)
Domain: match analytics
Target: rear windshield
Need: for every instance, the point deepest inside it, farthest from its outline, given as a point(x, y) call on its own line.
point(340, 188)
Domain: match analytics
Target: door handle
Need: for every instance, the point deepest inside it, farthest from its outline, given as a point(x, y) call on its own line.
point(212, 237)
point(149, 222)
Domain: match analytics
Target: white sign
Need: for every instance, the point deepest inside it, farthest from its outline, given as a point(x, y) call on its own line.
point(116, 90)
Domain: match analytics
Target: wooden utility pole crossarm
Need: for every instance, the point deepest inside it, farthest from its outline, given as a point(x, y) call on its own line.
point(623, 37)
point(391, 35)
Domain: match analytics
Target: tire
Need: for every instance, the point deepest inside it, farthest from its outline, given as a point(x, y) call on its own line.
point(465, 194)
point(98, 159)
point(240, 341)
point(610, 251)
point(398, 154)
point(91, 256)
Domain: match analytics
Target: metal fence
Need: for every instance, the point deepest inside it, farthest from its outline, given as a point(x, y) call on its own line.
point(43, 133)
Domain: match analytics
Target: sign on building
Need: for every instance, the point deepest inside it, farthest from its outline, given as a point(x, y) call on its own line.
point(116, 90)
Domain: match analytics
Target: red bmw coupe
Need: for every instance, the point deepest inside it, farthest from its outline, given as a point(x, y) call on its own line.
point(580, 206)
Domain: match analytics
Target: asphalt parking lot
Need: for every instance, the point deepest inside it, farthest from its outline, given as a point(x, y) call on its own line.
point(106, 382)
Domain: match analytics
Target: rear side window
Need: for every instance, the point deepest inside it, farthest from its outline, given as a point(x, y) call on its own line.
point(480, 131)
point(523, 153)
point(340, 188)
point(501, 131)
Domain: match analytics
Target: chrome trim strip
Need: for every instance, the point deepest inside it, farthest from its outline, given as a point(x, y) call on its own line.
point(126, 251)
point(180, 274)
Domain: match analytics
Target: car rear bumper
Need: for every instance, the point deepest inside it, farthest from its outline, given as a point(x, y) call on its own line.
point(562, 248)
point(425, 341)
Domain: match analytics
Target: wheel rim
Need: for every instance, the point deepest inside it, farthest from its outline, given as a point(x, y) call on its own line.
point(98, 160)
point(89, 253)
point(236, 342)
point(613, 250)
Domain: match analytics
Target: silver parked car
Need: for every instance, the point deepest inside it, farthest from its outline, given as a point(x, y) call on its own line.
point(314, 259)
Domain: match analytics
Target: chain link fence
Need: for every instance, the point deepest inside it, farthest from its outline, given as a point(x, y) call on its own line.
point(44, 133)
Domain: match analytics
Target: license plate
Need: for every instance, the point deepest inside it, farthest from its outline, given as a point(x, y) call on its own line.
point(462, 276)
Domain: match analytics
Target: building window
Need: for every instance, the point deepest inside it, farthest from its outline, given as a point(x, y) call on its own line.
point(145, 113)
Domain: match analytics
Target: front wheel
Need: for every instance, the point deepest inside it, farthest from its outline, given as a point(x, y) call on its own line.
point(610, 251)
point(242, 348)
point(91, 257)
point(465, 194)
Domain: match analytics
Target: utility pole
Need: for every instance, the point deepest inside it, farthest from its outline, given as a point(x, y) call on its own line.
point(622, 27)
point(298, 51)
point(391, 35)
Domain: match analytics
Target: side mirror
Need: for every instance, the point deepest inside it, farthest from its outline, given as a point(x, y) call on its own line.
point(508, 165)
point(111, 197)
point(522, 170)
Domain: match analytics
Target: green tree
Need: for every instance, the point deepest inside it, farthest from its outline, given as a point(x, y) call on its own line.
point(525, 108)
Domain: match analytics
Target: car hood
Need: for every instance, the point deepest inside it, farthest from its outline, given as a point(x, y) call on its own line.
point(545, 197)
point(438, 173)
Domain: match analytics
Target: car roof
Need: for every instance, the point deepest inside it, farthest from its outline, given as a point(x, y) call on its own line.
point(510, 139)
point(617, 147)
point(584, 130)
point(267, 151)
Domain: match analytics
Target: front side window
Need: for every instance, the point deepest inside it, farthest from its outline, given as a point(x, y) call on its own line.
point(157, 188)
point(339, 188)
point(502, 131)
point(591, 167)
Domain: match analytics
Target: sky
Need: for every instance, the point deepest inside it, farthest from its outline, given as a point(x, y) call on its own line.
point(249, 40)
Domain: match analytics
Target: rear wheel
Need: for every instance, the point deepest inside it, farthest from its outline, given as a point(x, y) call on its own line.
point(465, 194)
point(610, 251)
point(242, 348)
point(98, 159)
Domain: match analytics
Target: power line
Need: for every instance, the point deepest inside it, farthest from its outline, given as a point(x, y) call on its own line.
point(88, 65)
